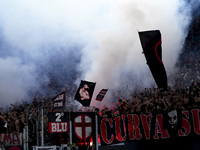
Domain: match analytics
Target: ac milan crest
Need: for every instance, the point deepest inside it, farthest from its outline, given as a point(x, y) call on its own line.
point(83, 126)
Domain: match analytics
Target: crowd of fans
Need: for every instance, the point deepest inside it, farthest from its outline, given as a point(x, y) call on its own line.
point(154, 101)
point(187, 68)
point(149, 101)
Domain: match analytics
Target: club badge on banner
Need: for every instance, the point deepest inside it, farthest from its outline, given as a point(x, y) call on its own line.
point(83, 126)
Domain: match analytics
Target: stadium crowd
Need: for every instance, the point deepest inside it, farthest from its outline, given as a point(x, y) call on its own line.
point(151, 100)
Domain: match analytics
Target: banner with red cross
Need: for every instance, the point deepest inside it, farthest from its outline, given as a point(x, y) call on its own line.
point(83, 126)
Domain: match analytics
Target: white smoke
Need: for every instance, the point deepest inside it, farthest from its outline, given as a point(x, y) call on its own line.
point(119, 47)
point(16, 79)
point(105, 32)
point(33, 32)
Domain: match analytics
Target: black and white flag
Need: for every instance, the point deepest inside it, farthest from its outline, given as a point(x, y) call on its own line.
point(85, 92)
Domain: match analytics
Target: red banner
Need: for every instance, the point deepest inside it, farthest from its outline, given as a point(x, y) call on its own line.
point(58, 127)
point(58, 122)
point(169, 125)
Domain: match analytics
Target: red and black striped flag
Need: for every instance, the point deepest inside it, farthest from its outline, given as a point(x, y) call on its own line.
point(101, 94)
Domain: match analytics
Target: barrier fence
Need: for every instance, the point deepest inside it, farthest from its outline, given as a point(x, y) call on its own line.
point(83, 129)
point(60, 129)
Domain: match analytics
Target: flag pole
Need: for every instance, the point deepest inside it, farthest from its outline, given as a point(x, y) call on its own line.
point(70, 131)
point(42, 123)
point(96, 130)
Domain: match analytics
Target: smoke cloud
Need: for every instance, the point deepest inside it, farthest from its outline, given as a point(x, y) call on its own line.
point(41, 40)
point(119, 50)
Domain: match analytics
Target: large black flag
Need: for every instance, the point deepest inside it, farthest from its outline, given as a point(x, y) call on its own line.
point(85, 92)
point(151, 44)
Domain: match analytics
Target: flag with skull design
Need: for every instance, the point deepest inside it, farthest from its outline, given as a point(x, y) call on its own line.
point(85, 92)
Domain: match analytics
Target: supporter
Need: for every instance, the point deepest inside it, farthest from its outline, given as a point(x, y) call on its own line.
point(121, 106)
point(22, 123)
point(116, 113)
point(124, 107)
point(197, 99)
point(10, 125)
point(103, 113)
point(96, 110)
point(131, 108)
point(144, 109)
point(191, 98)
point(31, 125)
point(119, 102)
point(138, 105)
point(108, 112)
point(151, 108)
point(3, 128)
point(113, 107)
point(185, 104)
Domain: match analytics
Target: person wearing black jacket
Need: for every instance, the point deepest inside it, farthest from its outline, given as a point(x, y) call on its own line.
point(2, 129)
